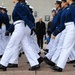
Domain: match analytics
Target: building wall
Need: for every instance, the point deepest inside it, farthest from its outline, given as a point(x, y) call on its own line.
point(42, 7)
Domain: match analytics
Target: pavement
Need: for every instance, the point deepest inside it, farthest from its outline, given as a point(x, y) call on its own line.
point(44, 70)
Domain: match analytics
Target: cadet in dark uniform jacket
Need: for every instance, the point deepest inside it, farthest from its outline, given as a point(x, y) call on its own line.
point(69, 42)
point(1, 21)
point(19, 35)
point(40, 32)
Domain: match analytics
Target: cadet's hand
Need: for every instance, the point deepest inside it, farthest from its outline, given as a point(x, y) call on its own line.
point(49, 32)
point(7, 33)
point(32, 30)
point(53, 37)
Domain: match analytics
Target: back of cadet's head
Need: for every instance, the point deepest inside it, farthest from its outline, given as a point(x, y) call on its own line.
point(64, 0)
point(58, 2)
point(22, 1)
point(73, 0)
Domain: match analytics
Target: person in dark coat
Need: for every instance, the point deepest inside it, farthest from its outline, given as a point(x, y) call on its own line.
point(40, 32)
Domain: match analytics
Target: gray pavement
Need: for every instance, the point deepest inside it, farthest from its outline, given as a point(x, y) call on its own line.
point(44, 70)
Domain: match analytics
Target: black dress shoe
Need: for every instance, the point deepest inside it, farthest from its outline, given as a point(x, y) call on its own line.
point(1, 56)
point(20, 55)
point(73, 65)
point(46, 50)
point(27, 62)
point(56, 68)
point(49, 62)
point(71, 62)
point(39, 53)
point(3, 68)
point(45, 53)
point(12, 65)
point(36, 67)
point(40, 60)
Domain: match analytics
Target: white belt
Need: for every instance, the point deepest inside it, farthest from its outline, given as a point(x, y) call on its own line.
point(69, 23)
point(17, 22)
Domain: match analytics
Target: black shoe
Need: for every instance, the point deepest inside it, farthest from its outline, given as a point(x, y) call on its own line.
point(1, 56)
point(36, 67)
point(56, 68)
point(39, 53)
point(12, 65)
point(40, 60)
point(73, 65)
point(71, 62)
point(3, 68)
point(46, 50)
point(27, 62)
point(49, 62)
point(45, 53)
point(20, 55)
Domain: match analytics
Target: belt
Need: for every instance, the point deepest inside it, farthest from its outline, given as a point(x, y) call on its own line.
point(17, 22)
point(69, 23)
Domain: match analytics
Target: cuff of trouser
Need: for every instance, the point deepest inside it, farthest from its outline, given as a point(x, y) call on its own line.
point(4, 64)
point(33, 64)
point(60, 66)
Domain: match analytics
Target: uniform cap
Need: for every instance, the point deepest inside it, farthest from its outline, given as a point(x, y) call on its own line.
point(58, 2)
point(31, 7)
point(1, 7)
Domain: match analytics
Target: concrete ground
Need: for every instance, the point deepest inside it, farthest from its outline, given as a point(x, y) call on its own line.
point(44, 70)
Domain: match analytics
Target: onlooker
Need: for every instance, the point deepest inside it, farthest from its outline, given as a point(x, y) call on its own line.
point(40, 32)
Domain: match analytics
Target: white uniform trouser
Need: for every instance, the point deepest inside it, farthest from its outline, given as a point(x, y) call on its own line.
point(19, 36)
point(59, 47)
point(32, 43)
point(54, 47)
point(72, 54)
point(3, 38)
point(68, 45)
point(1, 51)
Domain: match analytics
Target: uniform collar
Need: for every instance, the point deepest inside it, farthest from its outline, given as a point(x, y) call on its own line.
point(73, 3)
point(65, 8)
point(17, 3)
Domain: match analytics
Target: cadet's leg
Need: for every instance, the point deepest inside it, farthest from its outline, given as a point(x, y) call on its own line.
point(69, 42)
point(13, 43)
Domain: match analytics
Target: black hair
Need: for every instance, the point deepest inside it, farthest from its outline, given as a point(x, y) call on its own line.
point(58, 2)
point(64, 0)
point(22, 1)
point(73, 0)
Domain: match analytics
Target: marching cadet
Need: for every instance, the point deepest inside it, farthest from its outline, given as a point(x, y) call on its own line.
point(19, 35)
point(54, 23)
point(49, 25)
point(5, 26)
point(1, 21)
point(13, 63)
point(63, 33)
point(53, 42)
point(68, 42)
point(60, 42)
